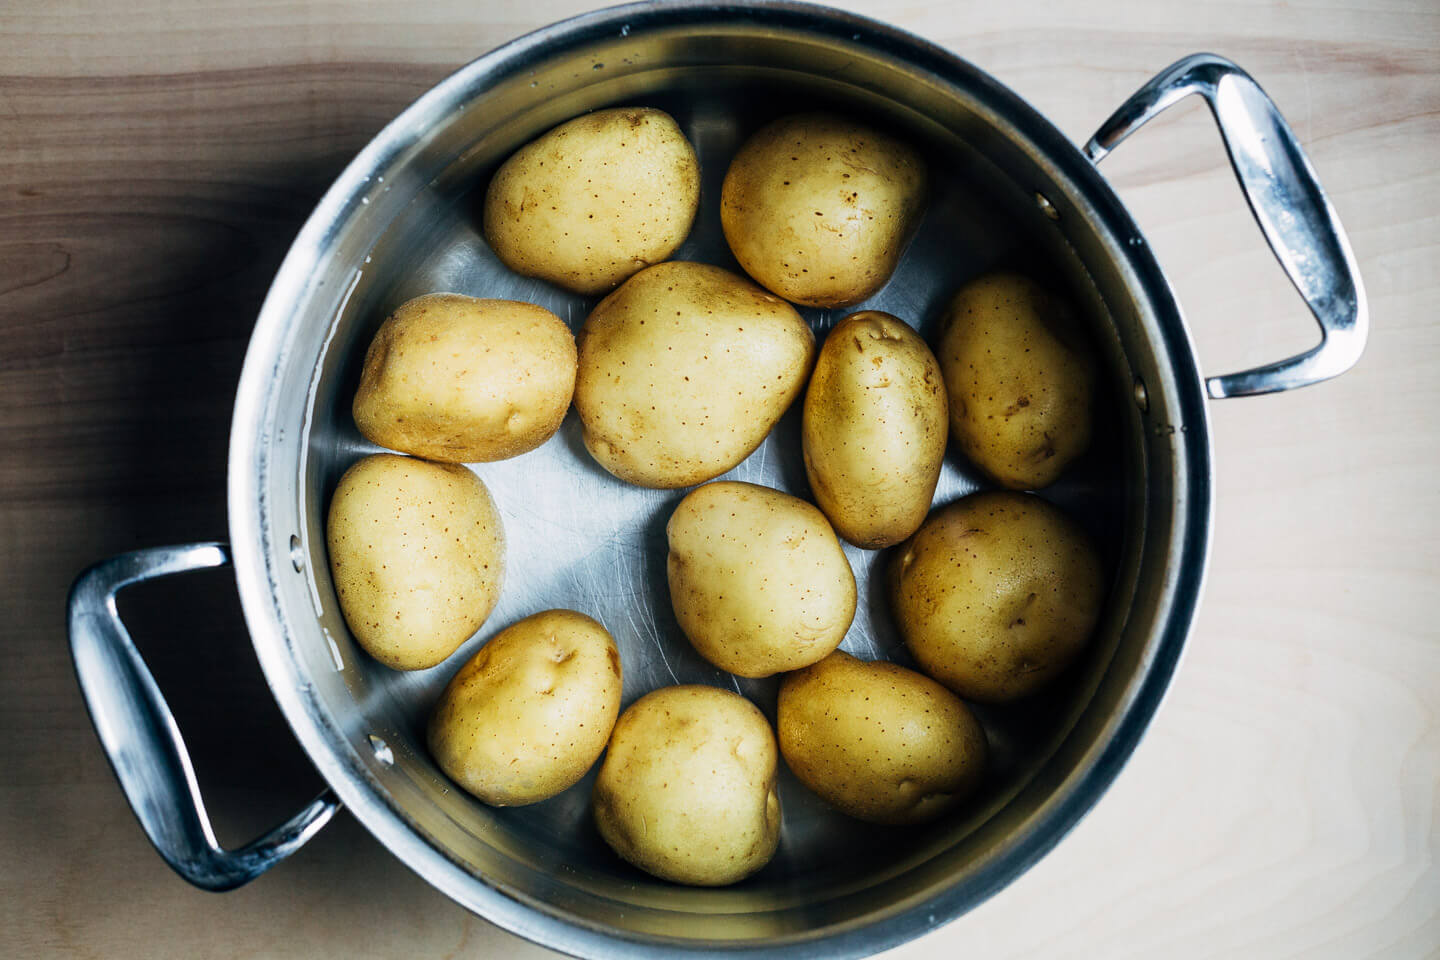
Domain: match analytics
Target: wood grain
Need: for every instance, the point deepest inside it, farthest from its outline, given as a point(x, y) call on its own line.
point(156, 161)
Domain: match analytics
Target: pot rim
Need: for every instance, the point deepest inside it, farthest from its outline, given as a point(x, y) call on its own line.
point(257, 559)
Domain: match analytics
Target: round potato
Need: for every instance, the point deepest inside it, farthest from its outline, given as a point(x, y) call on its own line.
point(818, 208)
point(684, 370)
point(874, 429)
point(531, 711)
point(594, 200)
point(417, 554)
point(877, 741)
point(996, 594)
point(757, 578)
point(687, 789)
point(1020, 377)
point(453, 378)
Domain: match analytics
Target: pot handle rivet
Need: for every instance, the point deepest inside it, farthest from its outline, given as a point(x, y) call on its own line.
point(382, 750)
point(1046, 207)
point(141, 739)
point(1291, 207)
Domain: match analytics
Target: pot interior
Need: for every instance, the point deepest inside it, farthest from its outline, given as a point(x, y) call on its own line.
point(405, 221)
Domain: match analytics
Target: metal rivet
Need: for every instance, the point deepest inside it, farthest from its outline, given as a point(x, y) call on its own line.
point(382, 750)
point(1046, 207)
point(297, 556)
point(1142, 399)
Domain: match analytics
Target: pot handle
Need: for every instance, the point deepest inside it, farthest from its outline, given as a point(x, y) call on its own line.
point(141, 739)
point(1288, 202)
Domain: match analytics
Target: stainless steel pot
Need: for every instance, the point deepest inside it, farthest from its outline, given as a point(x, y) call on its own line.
point(401, 221)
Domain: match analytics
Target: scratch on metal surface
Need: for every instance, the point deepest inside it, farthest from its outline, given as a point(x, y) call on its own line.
point(580, 576)
point(659, 646)
point(574, 504)
point(653, 636)
point(872, 650)
point(643, 627)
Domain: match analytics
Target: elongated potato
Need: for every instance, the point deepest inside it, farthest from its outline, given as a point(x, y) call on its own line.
point(818, 208)
point(594, 200)
point(758, 581)
point(417, 555)
point(531, 711)
point(996, 594)
point(1020, 377)
point(874, 429)
point(453, 378)
point(879, 742)
point(687, 788)
point(684, 370)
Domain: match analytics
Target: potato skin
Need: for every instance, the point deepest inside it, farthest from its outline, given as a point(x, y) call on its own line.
point(817, 208)
point(879, 742)
point(684, 370)
point(996, 594)
point(526, 716)
point(594, 200)
point(449, 377)
point(1020, 378)
point(758, 580)
point(417, 556)
point(875, 422)
point(687, 788)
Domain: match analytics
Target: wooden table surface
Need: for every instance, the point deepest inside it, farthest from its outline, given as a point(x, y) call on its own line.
point(155, 161)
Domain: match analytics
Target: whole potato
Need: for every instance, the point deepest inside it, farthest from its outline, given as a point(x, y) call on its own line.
point(757, 578)
point(1021, 380)
point(453, 378)
point(684, 370)
point(417, 554)
point(531, 711)
point(996, 594)
point(594, 200)
point(877, 741)
point(687, 789)
point(874, 429)
point(818, 208)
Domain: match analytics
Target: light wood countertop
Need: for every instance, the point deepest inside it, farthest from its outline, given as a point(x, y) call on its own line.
point(156, 160)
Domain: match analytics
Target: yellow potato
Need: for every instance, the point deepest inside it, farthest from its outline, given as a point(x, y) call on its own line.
point(453, 378)
point(874, 429)
point(684, 370)
point(818, 208)
point(996, 594)
point(417, 554)
point(531, 711)
point(1021, 380)
point(594, 200)
point(757, 578)
point(687, 789)
point(877, 741)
